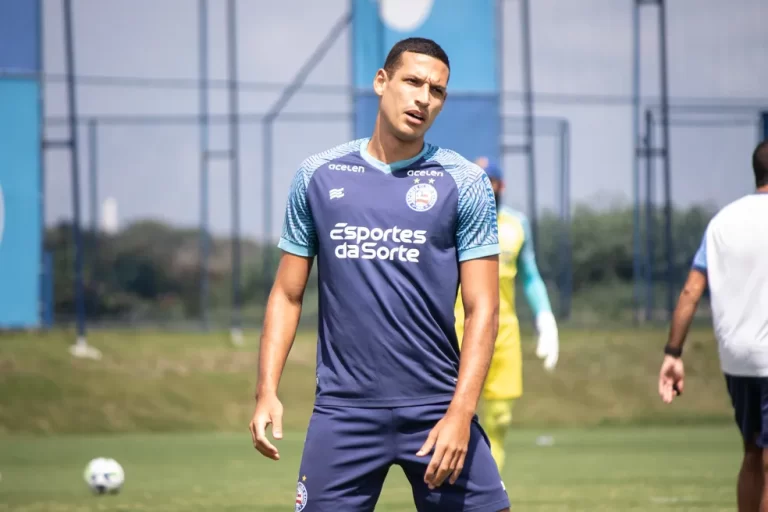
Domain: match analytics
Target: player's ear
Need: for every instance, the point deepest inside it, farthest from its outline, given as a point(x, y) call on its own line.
point(380, 82)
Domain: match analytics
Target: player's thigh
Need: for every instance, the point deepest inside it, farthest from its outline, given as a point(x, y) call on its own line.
point(346, 456)
point(505, 374)
point(479, 487)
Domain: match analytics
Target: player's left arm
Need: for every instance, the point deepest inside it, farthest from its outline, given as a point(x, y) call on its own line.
point(671, 375)
point(548, 346)
point(478, 248)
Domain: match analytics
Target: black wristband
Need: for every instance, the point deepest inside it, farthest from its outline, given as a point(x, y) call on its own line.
point(674, 352)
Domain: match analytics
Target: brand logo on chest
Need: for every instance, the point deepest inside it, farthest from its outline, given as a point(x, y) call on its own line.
point(347, 168)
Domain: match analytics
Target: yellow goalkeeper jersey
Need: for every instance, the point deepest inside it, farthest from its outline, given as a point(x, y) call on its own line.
point(516, 254)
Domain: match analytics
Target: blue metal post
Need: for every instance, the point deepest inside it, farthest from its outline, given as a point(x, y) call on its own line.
point(500, 76)
point(525, 21)
point(668, 243)
point(763, 129)
point(92, 247)
point(266, 263)
point(47, 289)
point(352, 72)
point(636, 235)
point(380, 39)
point(93, 162)
point(75, 164)
point(41, 128)
point(566, 252)
point(650, 231)
point(234, 145)
point(204, 120)
point(333, 34)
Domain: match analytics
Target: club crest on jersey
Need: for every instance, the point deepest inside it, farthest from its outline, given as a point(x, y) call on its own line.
point(421, 197)
point(301, 497)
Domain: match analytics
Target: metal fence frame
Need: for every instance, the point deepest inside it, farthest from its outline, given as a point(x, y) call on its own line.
point(731, 116)
point(527, 97)
point(560, 129)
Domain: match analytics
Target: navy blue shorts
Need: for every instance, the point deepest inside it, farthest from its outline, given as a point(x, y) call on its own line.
point(348, 453)
point(749, 396)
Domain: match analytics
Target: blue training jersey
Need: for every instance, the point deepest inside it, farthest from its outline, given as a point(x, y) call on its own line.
point(388, 241)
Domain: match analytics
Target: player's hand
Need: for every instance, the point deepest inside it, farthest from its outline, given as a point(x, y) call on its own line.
point(450, 439)
point(548, 346)
point(268, 411)
point(671, 378)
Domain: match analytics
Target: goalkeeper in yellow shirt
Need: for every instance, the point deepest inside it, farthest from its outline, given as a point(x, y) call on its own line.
point(504, 383)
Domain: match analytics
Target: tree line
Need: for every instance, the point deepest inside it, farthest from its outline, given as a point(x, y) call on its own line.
point(152, 270)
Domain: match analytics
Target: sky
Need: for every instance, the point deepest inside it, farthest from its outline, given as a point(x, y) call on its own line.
point(582, 74)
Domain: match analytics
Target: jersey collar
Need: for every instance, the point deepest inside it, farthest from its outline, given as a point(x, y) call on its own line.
point(394, 166)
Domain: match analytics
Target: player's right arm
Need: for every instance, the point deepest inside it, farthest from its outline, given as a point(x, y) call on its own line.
point(672, 371)
point(299, 245)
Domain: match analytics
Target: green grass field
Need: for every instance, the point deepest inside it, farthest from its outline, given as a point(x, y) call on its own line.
point(601, 469)
point(173, 409)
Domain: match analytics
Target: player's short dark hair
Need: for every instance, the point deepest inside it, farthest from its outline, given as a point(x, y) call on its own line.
point(760, 164)
point(420, 45)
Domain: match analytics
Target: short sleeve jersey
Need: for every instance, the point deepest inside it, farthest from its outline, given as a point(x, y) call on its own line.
point(732, 255)
point(388, 240)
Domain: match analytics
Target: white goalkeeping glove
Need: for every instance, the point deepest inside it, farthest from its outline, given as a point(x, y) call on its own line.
point(548, 347)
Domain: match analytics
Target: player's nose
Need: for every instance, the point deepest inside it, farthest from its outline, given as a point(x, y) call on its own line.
point(423, 96)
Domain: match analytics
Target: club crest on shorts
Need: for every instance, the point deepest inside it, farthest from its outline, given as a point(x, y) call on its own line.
point(301, 497)
point(421, 197)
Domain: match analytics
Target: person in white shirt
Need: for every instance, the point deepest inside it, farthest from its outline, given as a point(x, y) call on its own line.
point(733, 262)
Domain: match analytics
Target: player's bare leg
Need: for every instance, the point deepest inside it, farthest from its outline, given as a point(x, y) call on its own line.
point(758, 499)
point(750, 488)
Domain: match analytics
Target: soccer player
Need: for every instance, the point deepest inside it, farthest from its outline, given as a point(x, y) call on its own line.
point(395, 224)
point(732, 261)
point(504, 383)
